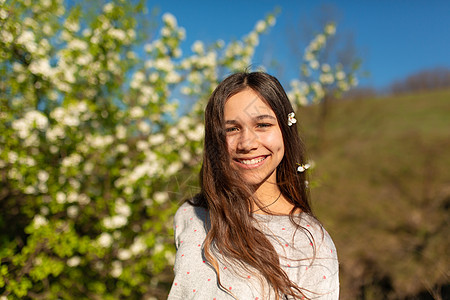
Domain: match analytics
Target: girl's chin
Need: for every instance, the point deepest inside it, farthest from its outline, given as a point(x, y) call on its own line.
point(257, 179)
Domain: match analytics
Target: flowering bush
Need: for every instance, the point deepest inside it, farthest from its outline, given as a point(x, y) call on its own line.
point(94, 152)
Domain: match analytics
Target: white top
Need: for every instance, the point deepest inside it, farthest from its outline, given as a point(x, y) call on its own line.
point(196, 279)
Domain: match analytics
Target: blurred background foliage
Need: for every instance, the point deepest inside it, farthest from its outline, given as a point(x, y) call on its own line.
point(96, 153)
point(383, 192)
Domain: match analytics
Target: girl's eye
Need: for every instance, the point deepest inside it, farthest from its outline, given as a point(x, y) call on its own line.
point(264, 125)
point(231, 129)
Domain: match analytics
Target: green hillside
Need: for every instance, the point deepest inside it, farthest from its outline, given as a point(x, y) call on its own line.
point(383, 192)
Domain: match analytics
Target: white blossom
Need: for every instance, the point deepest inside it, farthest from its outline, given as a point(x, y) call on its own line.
point(164, 64)
point(165, 31)
point(115, 222)
point(72, 197)
point(38, 118)
point(160, 197)
point(45, 210)
point(39, 221)
point(185, 155)
point(137, 80)
point(122, 208)
point(330, 29)
point(153, 77)
point(61, 197)
point(121, 131)
point(71, 160)
point(3, 14)
point(326, 78)
point(43, 176)
point(22, 127)
point(55, 133)
point(142, 145)
point(170, 257)
point(148, 48)
point(177, 52)
point(138, 246)
point(72, 211)
point(136, 112)
point(144, 169)
point(131, 34)
point(27, 39)
point(118, 34)
point(6, 36)
point(181, 33)
point(253, 40)
point(172, 77)
point(88, 167)
point(156, 139)
point(116, 269)
point(98, 141)
point(105, 240)
point(13, 173)
point(124, 254)
point(108, 7)
point(196, 134)
point(343, 86)
point(83, 199)
point(195, 77)
point(72, 25)
point(260, 26)
point(198, 47)
point(340, 75)
point(170, 20)
point(84, 59)
point(29, 161)
point(144, 127)
point(314, 64)
point(77, 44)
point(30, 190)
point(158, 248)
point(122, 148)
point(131, 55)
point(320, 40)
point(326, 68)
point(73, 261)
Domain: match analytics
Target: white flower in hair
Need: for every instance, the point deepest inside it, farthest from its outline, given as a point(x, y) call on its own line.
point(302, 168)
point(291, 119)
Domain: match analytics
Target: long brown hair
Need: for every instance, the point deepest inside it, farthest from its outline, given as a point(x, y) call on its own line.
point(229, 200)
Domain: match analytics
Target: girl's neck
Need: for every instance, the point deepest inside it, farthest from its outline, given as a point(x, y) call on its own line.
point(269, 198)
point(266, 193)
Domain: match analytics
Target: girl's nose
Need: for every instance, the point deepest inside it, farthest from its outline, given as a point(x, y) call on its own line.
point(248, 140)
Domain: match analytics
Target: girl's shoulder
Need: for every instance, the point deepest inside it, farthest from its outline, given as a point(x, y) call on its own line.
point(306, 229)
point(190, 224)
point(188, 213)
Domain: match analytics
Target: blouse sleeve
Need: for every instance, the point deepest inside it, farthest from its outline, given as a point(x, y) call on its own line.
point(194, 279)
point(322, 273)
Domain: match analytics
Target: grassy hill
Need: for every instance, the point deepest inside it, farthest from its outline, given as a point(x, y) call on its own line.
point(383, 192)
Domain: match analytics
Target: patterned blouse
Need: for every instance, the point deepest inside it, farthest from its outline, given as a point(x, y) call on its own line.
point(307, 255)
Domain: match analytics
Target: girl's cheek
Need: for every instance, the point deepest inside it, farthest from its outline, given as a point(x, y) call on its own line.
point(230, 144)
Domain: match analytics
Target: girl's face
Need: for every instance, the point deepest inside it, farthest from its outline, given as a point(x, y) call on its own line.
point(254, 138)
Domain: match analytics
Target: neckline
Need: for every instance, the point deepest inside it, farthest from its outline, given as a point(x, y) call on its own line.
point(277, 216)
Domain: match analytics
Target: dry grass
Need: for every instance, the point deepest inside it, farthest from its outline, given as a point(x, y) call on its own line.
point(384, 191)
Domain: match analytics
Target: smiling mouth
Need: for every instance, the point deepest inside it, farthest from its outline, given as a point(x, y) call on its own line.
point(253, 161)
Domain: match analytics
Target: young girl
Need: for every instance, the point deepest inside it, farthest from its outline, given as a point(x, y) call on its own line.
point(250, 232)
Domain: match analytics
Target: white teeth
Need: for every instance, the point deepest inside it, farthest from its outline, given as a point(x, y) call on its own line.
point(252, 161)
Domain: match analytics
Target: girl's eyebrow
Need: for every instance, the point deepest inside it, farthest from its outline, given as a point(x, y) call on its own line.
point(257, 118)
point(260, 117)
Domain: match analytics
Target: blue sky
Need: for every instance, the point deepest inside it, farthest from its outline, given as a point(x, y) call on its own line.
point(393, 38)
